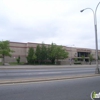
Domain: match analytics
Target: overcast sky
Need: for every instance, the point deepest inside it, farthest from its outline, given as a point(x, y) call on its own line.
point(58, 21)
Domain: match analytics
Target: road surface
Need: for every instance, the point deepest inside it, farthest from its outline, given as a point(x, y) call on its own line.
point(44, 73)
point(70, 89)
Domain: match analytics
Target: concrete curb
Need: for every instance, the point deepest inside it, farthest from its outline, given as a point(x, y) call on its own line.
point(45, 79)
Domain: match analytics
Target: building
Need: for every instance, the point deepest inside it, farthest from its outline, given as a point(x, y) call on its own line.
point(21, 49)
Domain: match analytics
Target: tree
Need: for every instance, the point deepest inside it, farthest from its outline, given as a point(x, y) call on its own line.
point(34, 58)
point(18, 59)
point(30, 55)
point(91, 58)
point(52, 52)
point(43, 53)
point(56, 52)
point(38, 53)
point(5, 50)
point(61, 53)
point(98, 57)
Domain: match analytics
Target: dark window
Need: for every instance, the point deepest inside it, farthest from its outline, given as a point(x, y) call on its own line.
point(85, 54)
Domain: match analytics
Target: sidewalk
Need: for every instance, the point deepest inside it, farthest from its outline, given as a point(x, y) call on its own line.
point(43, 66)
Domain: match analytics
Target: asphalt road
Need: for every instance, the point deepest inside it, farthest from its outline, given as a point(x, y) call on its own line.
point(45, 72)
point(70, 89)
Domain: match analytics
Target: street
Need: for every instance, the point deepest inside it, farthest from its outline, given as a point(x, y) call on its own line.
point(70, 89)
point(22, 73)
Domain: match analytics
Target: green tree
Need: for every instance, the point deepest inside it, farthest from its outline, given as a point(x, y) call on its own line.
point(83, 58)
point(18, 59)
point(30, 55)
point(34, 58)
point(98, 57)
point(43, 53)
point(38, 53)
point(91, 58)
point(61, 53)
point(56, 52)
point(5, 50)
point(52, 52)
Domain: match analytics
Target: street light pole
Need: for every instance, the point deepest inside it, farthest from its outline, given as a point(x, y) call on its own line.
point(96, 40)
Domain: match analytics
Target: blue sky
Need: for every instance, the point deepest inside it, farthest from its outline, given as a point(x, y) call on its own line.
point(58, 21)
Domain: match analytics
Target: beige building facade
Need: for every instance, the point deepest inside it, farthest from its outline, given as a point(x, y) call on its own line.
point(21, 49)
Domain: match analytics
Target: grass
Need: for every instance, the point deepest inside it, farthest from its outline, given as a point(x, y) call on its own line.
point(22, 63)
point(0, 63)
point(15, 63)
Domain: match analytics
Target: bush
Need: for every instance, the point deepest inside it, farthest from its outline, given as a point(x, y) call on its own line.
point(18, 59)
point(77, 63)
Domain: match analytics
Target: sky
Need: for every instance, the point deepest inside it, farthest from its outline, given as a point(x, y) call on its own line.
point(47, 21)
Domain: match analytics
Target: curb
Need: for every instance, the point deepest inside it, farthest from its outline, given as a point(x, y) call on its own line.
point(45, 79)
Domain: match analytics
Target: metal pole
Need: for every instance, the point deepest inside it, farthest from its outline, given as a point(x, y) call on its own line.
point(97, 71)
point(70, 56)
point(97, 66)
point(96, 40)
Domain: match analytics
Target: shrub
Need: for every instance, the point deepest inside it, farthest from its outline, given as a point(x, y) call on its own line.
point(18, 60)
point(77, 63)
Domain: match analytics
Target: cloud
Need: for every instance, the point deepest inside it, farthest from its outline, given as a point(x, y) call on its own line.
point(58, 21)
